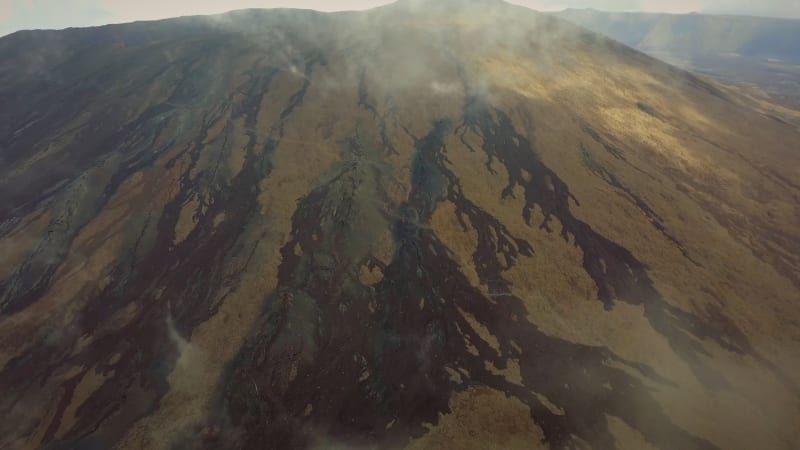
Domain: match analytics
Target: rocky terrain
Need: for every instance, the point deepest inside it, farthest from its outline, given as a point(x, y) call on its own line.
point(457, 225)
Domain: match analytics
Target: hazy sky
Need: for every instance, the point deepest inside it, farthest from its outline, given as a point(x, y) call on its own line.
point(27, 14)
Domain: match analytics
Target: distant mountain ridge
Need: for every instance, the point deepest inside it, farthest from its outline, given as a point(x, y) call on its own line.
point(692, 34)
point(750, 51)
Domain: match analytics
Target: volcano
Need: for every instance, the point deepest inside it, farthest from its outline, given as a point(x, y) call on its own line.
point(457, 225)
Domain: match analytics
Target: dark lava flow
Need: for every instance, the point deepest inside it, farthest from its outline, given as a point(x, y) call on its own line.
point(167, 282)
point(333, 359)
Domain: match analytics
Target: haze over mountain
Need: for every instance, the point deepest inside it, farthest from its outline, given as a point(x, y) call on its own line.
point(750, 51)
point(458, 224)
point(57, 14)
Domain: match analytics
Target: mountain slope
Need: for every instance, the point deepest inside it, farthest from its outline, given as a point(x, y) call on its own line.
point(401, 227)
